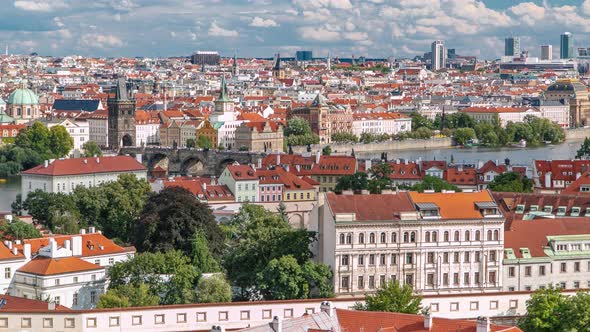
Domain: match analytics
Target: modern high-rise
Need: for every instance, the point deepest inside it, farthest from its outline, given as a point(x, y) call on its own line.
point(566, 46)
point(304, 55)
point(512, 46)
point(439, 55)
point(546, 52)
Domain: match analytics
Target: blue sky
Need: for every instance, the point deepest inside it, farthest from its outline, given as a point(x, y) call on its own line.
point(262, 27)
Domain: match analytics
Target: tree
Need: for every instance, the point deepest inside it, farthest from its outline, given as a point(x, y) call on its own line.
point(202, 258)
point(170, 276)
point(419, 121)
point(576, 312)
point(392, 298)
point(380, 177)
point(128, 296)
point(356, 182)
point(213, 289)
point(297, 127)
point(171, 219)
point(191, 143)
point(283, 279)
point(463, 135)
point(326, 151)
point(423, 133)
point(344, 137)
point(433, 183)
point(91, 149)
point(204, 142)
point(60, 141)
point(584, 150)
point(17, 207)
point(56, 211)
point(544, 311)
point(511, 182)
point(19, 230)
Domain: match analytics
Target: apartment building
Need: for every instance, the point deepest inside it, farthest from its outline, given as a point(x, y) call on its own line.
point(440, 243)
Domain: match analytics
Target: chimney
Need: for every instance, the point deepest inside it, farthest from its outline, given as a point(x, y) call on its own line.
point(51, 305)
point(327, 307)
point(287, 168)
point(548, 180)
point(68, 244)
point(76, 245)
point(428, 321)
point(27, 250)
point(483, 324)
point(368, 164)
point(14, 251)
point(85, 161)
point(204, 186)
point(83, 231)
point(317, 157)
point(91, 229)
point(578, 175)
point(298, 168)
point(97, 160)
point(9, 245)
point(139, 158)
point(277, 324)
point(52, 247)
point(278, 158)
point(46, 163)
point(259, 163)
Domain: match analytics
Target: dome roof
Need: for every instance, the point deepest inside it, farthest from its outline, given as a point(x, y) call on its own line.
point(23, 96)
point(567, 86)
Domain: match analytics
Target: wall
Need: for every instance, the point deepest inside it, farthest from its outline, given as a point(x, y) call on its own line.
point(409, 144)
point(577, 134)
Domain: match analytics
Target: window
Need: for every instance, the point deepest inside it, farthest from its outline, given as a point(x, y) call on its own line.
point(492, 277)
point(57, 282)
point(114, 321)
point(410, 279)
point(493, 305)
point(562, 285)
point(445, 279)
point(360, 282)
point(527, 271)
point(467, 257)
point(7, 273)
point(371, 282)
point(445, 257)
point(542, 270)
point(489, 237)
point(409, 258)
point(75, 299)
point(91, 322)
point(434, 236)
point(93, 277)
point(159, 319)
point(406, 237)
point(394, 259)
point(413, 237)
point(456, 279)
point(266, 314)
point(492, 256)
point(430, 258)
point(467, 237)
point(477, 236)
point(576, 266)
point(348, 238)
point(576, 284)
point(361, 238)
point(563, 268)
point(93, 297)
point(446, 236)
point(372, 238)
point(344, 282)
point(309, 311)
point(511, 273)
point(382, 260)
point(477, 257)
point(245, 315)
point(456, 236)
point(371, 259)
point(476, 278)
point(56, 300)
point(111, 261)
point(434, 307)
point(344, 260)
point(394, 237)
point(25, 322)
point(513, 304)
point(427, 237)
point(223, 315)
point(136, 320)
point(69, 323)
point(466, 279)
point(454, 306)
point(383, 238)
point(456, 257)
point(3, 322)
point(47, 323)
point(474, 305)
point(288, 313)
point(341, 238)
point(361, 260)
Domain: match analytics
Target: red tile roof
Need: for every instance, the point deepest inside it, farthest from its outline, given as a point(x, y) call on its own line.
point(560, 169)
point(371, 207)
point(78, 166)
point(50, 266)
point(91, 244)
point(574, 187)
point(242, 172)
point(463, 177)
point(13, 303)
point(459, 205)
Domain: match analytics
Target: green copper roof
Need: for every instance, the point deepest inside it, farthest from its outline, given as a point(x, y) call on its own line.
point(223, 94)
point(23, 96)
point(5, 118)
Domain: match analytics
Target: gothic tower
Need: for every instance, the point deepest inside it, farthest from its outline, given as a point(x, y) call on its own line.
point(121, 117)
point(278, 71)
point(235, 69)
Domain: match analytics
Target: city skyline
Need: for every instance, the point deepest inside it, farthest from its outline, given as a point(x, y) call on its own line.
point(260, 28)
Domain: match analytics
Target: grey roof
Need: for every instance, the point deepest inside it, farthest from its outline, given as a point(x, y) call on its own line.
point(76, 105)
point(317, 321)
point(320, 100)
point(121, 91)
point(486, 205)
point(427, 206)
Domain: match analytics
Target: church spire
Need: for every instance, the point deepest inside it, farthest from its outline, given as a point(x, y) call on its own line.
point(235, 69)
point(223, 95)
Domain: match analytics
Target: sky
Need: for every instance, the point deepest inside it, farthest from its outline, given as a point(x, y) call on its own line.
point(260, 28)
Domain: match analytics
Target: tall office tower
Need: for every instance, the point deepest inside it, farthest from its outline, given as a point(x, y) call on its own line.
point(303, 55)
point(546, 52)
point(512, 46)
point(439, 55)
point(566, 46)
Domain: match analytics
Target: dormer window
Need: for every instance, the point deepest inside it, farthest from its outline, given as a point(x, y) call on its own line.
point(534, 208)
point(525, 252)
point(428, 210)
point(587, 214)
point(548, 208)
point(519, 209)
point(561, 210)
point(585, 188)
point(575, 211)
point(490, 209)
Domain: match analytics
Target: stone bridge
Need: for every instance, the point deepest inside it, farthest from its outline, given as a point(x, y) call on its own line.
point(196, 162)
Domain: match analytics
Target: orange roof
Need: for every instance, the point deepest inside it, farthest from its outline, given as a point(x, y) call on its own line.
point(50, 266)
point(14, 303)
point(455, 205)
point(91, 244)
point(77, 166)
point(383, 207)
point(242, 172)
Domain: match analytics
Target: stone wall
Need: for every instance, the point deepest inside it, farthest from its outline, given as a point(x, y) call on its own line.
point(409, 144)
point(577, 134)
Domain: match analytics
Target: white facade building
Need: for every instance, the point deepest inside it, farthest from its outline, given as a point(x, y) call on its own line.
point(79, 130)
point(98, 127)
point(64, 175)
point(381, 123)
point(439, 55)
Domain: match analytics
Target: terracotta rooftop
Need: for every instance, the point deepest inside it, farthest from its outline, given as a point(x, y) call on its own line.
point(242, 172)
point(371, 207)
point(51, 266)
point(460, 205)
point(78, 166)
point(13, 303)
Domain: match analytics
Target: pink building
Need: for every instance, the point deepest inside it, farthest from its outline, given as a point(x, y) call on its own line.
point(270, 185)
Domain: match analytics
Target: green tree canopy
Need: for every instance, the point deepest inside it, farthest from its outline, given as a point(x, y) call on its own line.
point(326, 151)
point(298, 132)
point(545, 311)
point(169, 275)
point(214, 289)
point(191, 143)
point(356, 182)
point(419, 121)
point(463, 135)
point(392, 298)
point(511, 182)
point(204, 142)
point(433, 183)
point(18, 230)
point(131, 295)
point(91, 149)
point(584, 150)
point(343, 137)
point(203, 260)
point(171, 219)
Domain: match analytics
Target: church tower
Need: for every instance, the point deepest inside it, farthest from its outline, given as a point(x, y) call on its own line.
point(278, 71)
point(235, 69)
point(121, 117)
point(224, 107)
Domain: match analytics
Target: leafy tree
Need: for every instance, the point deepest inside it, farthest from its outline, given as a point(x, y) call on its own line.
point(318, 278)
point(511, 182)
point(65, 222)
point(462, 135)
point(17, 207)
point(584, 150)
point(128, 296)
point(191, 143)
point(419, 121)
point(380, 177)
point(356, 182)
point(392, 298)
point(297, 127)
point(56, 211)
point(576, 313)
point(60, 141)
point(433, 183)
point(423, 133)
point(367, 138)
point(544, 311)
point(204, 142)
point(169, 275)
point(327, 150)
point(213, 289)
point(170, 220)
point(91, 149)
point(283, 279)
point(19, 230)
point(344, 137)
point(9, 168)
point(36, 138)
point(202, 258)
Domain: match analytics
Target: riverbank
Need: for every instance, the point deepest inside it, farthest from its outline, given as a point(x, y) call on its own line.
point(408, 144)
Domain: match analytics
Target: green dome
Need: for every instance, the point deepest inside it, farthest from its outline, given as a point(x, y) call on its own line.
point(23, 96)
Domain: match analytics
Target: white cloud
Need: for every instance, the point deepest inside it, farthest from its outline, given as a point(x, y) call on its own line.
point(586, 7)
point(39, 5)
point(319, 34)
point(101, 41)
point(528, 12)
point(217, 31)
point(260, 22)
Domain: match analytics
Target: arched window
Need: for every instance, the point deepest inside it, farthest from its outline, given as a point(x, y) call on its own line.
point(427, 237)
point(446, 236)
point(372, 238)
point(406, 237)
point(383, 239)
point(434, 236)
point(361, 238)
point(394, 237)
point(467, 236)
point(413, 237)
point(489, 235)
point(477, 236)
point(349, 238)
point(342, 238)
point(456, 236)
point(496, 235)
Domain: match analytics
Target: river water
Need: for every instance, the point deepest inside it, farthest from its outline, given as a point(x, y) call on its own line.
point(10, 188)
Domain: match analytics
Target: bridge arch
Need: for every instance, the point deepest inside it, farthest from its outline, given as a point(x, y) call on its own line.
point(192, 166)
point(158, 159)
point(223, 163)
